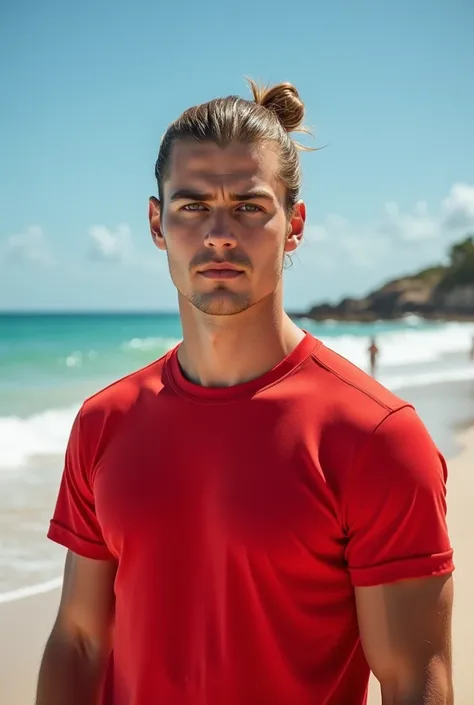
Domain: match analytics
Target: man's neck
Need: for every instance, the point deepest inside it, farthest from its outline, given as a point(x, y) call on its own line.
point(222, 351)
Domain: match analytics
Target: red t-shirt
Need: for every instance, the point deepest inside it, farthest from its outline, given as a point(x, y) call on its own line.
point(241, 519)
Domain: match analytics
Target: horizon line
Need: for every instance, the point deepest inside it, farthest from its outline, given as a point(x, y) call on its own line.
point(86, 312)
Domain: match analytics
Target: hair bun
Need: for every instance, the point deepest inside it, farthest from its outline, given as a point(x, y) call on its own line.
point(284, 100)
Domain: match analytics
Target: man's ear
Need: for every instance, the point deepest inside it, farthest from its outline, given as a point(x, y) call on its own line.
point(296, 227)
point(154, 216)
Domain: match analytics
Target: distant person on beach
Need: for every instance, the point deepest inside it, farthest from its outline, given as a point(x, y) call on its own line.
point(373, 355)
point(251, 519)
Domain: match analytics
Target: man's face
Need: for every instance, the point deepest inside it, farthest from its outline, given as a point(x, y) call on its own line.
point(224, 224)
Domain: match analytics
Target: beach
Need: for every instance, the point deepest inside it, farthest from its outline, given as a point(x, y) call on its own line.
point(52, 364)
point(25, 623)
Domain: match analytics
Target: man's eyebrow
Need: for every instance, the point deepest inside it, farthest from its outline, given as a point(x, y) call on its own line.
point(186, 194)
point(250, 195)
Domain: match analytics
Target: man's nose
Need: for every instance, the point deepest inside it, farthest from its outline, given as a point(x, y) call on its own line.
point(220, 234)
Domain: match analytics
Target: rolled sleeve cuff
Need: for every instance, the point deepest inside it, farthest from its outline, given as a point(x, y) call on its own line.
point(405, 569)
point(78, 544)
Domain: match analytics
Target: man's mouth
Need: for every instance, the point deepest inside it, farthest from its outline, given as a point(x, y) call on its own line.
point(220, 270)
point(221, 273)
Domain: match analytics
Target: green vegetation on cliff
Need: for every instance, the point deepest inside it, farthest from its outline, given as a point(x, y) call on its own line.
point(460, 271)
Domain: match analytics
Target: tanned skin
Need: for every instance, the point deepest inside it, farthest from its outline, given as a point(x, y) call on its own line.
point(405, 629)
point(76, 653)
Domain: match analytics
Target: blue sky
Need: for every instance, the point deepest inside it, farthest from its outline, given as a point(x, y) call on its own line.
point(88, 89)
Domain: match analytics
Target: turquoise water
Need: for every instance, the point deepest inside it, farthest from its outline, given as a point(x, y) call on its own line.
point(50, 363)
point(47, 352)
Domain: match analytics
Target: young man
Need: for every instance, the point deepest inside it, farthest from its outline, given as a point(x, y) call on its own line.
point(251, 520)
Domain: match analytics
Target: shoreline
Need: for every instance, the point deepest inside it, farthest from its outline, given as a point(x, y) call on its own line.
point(30, 591)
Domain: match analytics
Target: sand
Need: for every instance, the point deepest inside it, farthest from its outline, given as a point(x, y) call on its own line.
point(25, 623)
point(24, 628)
point(461, 527)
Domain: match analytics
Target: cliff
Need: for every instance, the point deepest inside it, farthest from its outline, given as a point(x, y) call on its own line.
point(439, 292)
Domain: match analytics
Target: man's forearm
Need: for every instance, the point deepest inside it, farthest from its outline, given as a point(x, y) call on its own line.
point(431, 691)
point(70, 674)
point(427, 698)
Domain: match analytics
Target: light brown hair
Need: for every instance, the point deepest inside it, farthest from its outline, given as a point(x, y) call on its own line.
point(274, 112)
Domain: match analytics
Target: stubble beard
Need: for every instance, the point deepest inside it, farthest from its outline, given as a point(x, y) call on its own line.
point(220, 302)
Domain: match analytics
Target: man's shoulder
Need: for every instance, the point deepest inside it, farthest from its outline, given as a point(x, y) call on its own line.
point(350, 394)
point(123, 394)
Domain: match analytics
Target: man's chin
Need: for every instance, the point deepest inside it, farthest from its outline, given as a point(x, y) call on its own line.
point(220, 303)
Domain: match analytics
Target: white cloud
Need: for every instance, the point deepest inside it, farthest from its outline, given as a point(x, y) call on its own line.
point(110, 245)
point(333, 225)
point(395, 228)
point(337, 241)
point(458, 207)
point(365, 244)
point(27, 246)
point(395, 242)
point(411, 226)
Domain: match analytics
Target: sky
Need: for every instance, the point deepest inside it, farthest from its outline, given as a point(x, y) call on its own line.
point(88, 89)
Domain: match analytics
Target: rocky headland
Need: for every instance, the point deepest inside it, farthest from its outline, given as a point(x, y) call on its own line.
point(441, 292)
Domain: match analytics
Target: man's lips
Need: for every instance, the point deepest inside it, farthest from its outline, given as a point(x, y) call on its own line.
point(221, 273)
point(220, 270)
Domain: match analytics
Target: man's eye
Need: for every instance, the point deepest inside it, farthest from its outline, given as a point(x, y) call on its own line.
point(193, 207)
point(249, 208)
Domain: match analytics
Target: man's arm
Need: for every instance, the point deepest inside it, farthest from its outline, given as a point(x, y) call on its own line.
point(76, 653)
point(405, 630)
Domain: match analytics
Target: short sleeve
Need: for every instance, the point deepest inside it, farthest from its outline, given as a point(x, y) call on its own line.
point(74, 523)
point(395, 505)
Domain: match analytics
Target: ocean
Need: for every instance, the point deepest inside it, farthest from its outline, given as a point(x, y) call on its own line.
point(50, 362)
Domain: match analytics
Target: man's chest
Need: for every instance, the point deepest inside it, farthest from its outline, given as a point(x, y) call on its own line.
point(253, 477)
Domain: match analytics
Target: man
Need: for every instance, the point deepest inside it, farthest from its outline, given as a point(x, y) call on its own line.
point(373, 355)
point(251, 520)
